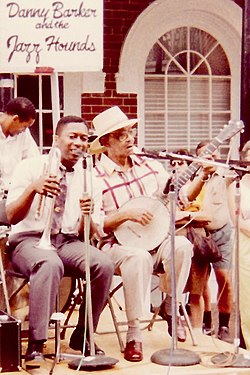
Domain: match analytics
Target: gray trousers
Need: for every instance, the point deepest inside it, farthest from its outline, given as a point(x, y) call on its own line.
point(45, 268)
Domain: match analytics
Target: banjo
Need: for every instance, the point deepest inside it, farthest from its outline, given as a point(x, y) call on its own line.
point(151, 235)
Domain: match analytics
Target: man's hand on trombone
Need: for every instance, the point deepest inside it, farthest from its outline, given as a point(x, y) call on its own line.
point(47, 186)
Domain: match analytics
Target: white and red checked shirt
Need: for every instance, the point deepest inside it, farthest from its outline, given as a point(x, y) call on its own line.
point(145, 178)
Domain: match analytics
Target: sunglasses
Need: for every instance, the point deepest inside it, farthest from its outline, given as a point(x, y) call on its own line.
point(176, 163)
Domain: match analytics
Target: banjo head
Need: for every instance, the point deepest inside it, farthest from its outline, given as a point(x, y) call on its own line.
point(149, 236)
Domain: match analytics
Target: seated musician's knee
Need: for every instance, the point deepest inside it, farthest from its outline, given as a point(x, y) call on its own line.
point(51, 266)
point(143, 257)
point(183, 246)
point(104, 266)
point(138, 259)
point(107, 266)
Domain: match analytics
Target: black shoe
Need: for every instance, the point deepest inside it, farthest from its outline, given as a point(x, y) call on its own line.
point(34, 355)
point(163, 314)
point(181, 332)
point(223, 334)
point(76, 343)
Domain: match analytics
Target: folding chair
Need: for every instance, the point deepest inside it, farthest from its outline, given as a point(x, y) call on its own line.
point(68, 300)
point(150, 322)
point(3, 238)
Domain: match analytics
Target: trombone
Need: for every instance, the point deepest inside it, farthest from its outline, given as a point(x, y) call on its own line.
point(52, 169)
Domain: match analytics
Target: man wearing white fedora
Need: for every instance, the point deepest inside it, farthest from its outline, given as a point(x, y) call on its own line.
point(131, 211)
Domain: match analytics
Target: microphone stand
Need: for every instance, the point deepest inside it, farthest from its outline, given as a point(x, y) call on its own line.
point(174, 356)
point(92, 362)
point(231, 165)
point(166, 357)
point(238, 359)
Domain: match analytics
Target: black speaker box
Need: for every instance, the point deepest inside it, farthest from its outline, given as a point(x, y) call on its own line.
point(10, 343)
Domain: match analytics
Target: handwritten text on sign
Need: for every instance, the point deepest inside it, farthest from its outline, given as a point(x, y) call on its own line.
point(65, 35)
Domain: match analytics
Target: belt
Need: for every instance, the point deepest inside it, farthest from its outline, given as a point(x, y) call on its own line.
point(216, 230)
point(152, 252)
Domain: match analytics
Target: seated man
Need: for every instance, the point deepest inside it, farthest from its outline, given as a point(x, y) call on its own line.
point(127, 176)
point(16, 142)
point(45, 268)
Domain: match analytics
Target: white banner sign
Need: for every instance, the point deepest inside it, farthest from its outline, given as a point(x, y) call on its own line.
point(65, 35)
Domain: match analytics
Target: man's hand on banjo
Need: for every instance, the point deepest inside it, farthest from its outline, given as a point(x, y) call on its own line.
point(140, 215)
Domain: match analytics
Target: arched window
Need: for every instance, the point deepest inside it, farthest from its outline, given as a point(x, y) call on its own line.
point(187, 89)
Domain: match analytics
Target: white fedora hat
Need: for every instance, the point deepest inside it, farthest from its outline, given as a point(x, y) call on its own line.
point(107, 122)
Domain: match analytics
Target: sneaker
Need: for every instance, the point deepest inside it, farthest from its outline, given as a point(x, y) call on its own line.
point(223, 334)
point(209, 331)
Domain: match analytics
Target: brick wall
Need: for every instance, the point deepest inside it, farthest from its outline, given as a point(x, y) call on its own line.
point(119, 16)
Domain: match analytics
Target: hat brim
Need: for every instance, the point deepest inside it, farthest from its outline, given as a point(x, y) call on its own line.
point(96, 148)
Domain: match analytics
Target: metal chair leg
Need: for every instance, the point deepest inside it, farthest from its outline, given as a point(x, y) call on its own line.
point(118, 333)
point(189, 324)
point(57, 317)
point(4, 286)
point(153, 319)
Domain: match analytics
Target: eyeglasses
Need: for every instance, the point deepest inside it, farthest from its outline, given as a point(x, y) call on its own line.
point(123, 136)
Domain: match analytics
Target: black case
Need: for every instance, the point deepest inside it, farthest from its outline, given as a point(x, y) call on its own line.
point(10, 343)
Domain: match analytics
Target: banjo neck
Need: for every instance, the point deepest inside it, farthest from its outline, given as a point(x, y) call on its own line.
point(227, 132)
point(193, 167)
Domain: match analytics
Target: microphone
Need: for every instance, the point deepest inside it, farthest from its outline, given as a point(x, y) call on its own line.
point(167, 186)
point(84, 163)
point(155, 151)
point(84, 160)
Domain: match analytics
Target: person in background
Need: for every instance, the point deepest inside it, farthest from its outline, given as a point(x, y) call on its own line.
point(244, 244)
point(199, 273)
point(125, 176)
point(211, 186)
point(178, 166)
point(16, 142)
point(45, 268)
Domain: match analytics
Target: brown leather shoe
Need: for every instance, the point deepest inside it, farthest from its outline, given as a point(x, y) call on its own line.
point(133, 351)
